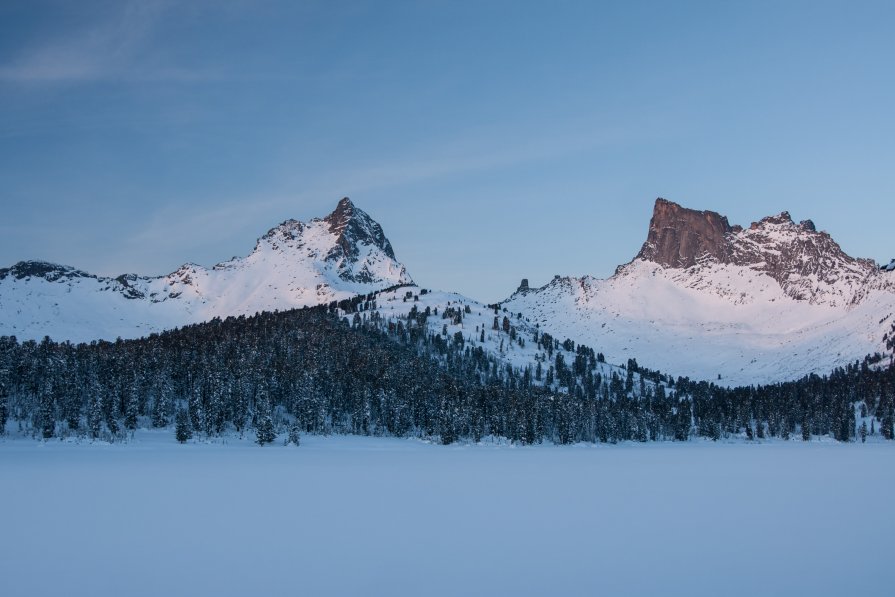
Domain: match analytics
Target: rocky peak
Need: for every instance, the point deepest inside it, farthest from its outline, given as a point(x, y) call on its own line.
point(808, 265)
point(353, 226)
point(678, 236)
point(340, 218)
point(781, 219)
point(524, 288)
point(288, 230)
point(348, 239)
point(41, 269)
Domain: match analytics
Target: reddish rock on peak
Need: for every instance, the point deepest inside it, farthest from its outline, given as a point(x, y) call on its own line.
point(808, 265)
point(677, 235)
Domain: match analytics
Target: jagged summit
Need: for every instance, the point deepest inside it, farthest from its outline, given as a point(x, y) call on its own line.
point(341, 216)
point(703, 298)
point(808, 264)
point(677, 235)
point(354, 226)
point(292, 265)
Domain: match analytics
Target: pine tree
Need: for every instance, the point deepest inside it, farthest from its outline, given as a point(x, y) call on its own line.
point(4, 408)
point(112, 424)
point(95, 413)
point(264, 431)
point(887, 428)
point(196, 411)
point(183, 428)
point(294, 434)
point(46, 410)
point(159, 411)
point(132, 408)
point(240, 410)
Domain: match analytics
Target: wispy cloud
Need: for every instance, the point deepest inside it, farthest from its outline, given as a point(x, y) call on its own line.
point(488, 149)
point(108, 49)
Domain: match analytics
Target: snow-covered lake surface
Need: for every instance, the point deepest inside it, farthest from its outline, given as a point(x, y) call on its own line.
point(367, 516)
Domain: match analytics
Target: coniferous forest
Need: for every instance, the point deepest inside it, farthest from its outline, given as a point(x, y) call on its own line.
point(343, 369)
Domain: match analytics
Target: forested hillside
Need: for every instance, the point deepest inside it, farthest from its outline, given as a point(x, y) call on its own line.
point(347, 369)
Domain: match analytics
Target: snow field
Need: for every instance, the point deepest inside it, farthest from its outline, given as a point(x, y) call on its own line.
point(372, 516)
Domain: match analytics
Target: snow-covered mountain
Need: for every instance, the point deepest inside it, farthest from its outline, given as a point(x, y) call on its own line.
point(704, 299)
point(293, 265)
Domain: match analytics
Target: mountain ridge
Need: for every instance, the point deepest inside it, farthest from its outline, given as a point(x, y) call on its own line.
point(294, 264)
point(704, 298)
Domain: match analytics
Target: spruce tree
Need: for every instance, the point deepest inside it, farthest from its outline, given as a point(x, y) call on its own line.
point(887, 426)
point(196, 411)
point(294, 434)
point(95, 413)
point(159, 412)
point(46, 410)
point(132, 408)
point(183, 428)
point(264, 431)
point(4, 409)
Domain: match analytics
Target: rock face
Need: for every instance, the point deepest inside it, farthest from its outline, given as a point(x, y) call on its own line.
point(354, 229)
point(41, 269)
point(678, 236)
point(703, 298)
point(808, 265)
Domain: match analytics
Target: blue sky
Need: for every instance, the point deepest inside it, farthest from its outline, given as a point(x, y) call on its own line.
point(492, 140)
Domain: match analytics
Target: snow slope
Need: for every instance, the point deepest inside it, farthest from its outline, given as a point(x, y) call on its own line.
point(785, 303)
point(293, 265)
point(476, 327)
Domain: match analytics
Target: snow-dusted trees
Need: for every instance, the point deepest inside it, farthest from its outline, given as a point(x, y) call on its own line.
point(264, 429)
point(4, 407)
point(132, 407)
point(294, 437)
point(183, 428)
point(46, 410)
point(320, 371)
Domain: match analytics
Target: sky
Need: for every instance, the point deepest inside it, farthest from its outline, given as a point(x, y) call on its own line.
point(493, 140)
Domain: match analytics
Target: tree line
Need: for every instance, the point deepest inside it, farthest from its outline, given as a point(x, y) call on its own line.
point(344, 368)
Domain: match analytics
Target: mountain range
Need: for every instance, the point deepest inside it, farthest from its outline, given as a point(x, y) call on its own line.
point(707, 300)
point(702, 299)
point(293, 265)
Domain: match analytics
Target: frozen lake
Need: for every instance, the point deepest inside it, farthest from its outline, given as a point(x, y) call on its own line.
point(367, 516)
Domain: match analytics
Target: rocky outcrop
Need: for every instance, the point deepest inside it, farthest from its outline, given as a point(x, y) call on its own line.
point(679, 236)
point(51, 272)
point(353, 227)
point(808, 265)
